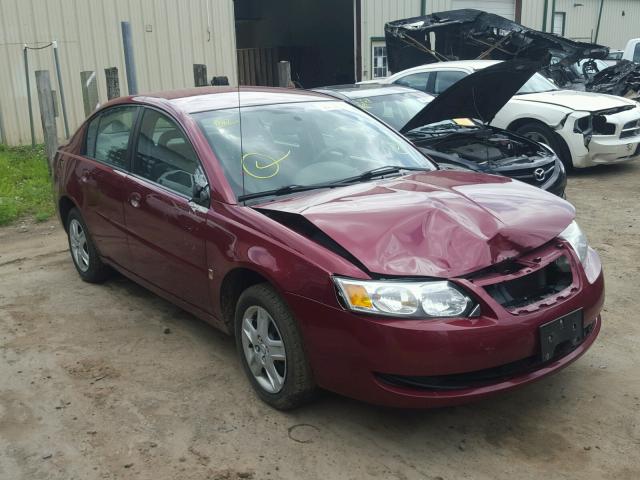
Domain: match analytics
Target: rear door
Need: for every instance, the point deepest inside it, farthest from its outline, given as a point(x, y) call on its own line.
point(167, 230)
point(103, 180)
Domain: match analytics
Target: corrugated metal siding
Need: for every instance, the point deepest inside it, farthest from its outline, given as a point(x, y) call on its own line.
point(580, 23)
point(89, 38)
point(616, 29)
point(532, 13)
point(374, 14)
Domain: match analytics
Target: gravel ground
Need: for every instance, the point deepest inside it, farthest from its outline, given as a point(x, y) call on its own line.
point(111, 381)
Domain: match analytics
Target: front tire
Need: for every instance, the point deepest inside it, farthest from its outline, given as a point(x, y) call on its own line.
point(538, 132)
point(271, 349)
point(83, 251)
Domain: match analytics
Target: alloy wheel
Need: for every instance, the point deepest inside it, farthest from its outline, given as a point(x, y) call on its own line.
point(264, 349)
point(79, 246)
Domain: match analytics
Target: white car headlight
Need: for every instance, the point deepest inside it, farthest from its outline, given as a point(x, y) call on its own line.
point(577, 240)
point(404, 299)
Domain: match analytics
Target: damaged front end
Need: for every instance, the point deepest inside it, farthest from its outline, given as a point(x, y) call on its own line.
point(600, 123)
point(494, 151)
point(622, 79)
point(472, 34)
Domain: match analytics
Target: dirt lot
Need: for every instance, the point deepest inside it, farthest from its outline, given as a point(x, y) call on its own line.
point(91, 386)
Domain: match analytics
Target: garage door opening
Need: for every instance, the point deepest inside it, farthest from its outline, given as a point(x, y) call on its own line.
point(316, 37)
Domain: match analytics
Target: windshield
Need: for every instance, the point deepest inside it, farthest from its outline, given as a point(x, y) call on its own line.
point(303, 143)
point(537, 84)
point(396, 109)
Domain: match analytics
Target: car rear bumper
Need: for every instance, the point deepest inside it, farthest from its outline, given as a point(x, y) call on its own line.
point(371, 358)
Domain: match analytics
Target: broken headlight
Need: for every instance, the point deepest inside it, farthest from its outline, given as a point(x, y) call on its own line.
point(594, 125)
point(577, 240)
point(435, 299)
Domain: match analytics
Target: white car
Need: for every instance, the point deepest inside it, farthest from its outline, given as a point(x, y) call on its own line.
point(583, 128)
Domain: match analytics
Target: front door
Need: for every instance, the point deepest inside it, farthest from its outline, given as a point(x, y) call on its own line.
point(166, 229)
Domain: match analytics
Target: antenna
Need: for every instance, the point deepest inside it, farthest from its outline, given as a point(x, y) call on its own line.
point(241, 149)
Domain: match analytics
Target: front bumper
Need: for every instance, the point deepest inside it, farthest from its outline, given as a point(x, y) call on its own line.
point(354, 355)
point(602, 149)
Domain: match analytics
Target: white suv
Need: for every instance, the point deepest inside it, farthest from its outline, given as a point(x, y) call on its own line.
point(583, 128)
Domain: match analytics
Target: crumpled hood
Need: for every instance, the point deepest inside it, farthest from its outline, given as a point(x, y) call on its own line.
point(583, 101)
point(434, 224)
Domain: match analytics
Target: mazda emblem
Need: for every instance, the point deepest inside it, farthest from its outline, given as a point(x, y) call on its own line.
point(539, 174)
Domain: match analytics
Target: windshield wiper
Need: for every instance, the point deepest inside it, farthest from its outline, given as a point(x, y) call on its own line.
point(284, 191)
point(379, 172)
point(376, 172)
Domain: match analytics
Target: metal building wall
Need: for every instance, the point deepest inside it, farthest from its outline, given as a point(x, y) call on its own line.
point(89, 38)
point(374, 14)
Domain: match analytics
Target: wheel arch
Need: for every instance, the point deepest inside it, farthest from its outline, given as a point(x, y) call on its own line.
point(233, 284)
point(65, 204)
point(564, 153)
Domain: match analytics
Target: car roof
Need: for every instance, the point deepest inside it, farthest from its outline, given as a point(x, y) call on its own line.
point(468, 64)
point(356, 90)
point(200, 99)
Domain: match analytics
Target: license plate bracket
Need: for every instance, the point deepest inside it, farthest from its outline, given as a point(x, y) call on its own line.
point(565, 332)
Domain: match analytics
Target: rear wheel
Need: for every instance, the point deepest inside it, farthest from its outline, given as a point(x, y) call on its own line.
point(538, 132)
point(83, 252)
point(270, 349)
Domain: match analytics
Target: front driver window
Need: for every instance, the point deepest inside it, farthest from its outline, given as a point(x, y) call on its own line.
point(417, 81)
point(165, 156)
point(445, 79)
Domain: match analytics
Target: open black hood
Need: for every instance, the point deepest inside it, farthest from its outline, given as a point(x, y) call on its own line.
point(479, 95)
point(472, 34)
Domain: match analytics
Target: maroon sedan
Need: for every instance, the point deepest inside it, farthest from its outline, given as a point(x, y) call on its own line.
point(337, 254)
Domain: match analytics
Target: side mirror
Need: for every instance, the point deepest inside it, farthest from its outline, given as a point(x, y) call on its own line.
point(200, 194)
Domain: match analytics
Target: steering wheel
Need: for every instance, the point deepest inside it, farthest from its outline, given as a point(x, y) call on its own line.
point(329, 150)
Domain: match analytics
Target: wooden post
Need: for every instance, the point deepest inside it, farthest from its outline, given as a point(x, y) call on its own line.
point(199, 75)
point(284, 74)
point(3, 135)
point(113, 82)
point(45, 100)
point(89, 91)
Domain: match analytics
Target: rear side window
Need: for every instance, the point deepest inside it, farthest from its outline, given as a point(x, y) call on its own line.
point(636, 53)
point(414, 80)
point(108, 136)
point(165, 156)
point(445, 79)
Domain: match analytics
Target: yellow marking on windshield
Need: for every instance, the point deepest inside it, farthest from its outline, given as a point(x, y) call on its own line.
point(364, 103)
point(225, 122)
point(274, 163)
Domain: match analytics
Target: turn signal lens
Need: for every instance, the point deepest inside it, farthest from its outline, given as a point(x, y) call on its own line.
point(358, 296)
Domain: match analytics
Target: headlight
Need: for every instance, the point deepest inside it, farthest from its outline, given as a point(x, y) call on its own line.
point(404, 299)
point(577, 240)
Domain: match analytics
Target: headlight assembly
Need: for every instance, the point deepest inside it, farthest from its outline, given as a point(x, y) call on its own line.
point(577, 240)
point(435, 299)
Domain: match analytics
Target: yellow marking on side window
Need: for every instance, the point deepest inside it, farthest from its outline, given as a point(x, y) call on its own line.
point(274, 163)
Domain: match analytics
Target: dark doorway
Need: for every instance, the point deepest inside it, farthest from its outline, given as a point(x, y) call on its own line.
point(316, 37)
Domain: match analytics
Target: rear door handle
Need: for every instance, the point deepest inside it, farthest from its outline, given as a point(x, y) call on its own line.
point(84, 178)
point(135, 199)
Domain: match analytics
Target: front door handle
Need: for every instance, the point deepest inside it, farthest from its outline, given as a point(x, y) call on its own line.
point(135, 199)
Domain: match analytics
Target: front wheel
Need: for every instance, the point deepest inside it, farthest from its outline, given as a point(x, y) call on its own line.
point(541, 133)
point(271, 350)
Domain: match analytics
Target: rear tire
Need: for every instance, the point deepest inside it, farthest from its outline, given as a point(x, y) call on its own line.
point(541, 133)
point(83, 252)
point(271, 350)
